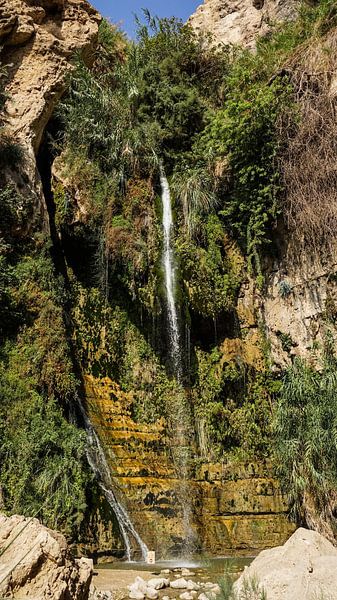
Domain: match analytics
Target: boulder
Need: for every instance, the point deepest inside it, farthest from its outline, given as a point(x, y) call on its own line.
point(137, 590)
point(305, 567)
point(179, 584)
point(36, 563)
point(192, 586)
point(158, 583)
point(151, 593)
point(136, 595)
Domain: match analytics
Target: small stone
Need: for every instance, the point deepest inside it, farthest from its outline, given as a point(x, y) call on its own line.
point(191, 585)
point(186, 596)
point(165, 571)
point(158, 583)
point(179, 584)
point(138, 587)
point(187, 573)
point(202, 597)
point(151, 593)
point(216, 589)
point(209, 585)
point(165, 598)
point(136, 595)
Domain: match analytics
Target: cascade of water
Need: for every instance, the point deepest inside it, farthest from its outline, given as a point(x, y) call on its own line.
point(170, 280)
point(98, 463)
point(179, 410)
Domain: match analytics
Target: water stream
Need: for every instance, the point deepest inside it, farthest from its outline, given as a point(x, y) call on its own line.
point(98, 463)
point(170, 279)
point(178, 409)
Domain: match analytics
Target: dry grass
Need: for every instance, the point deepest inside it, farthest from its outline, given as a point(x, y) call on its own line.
point(309, 164)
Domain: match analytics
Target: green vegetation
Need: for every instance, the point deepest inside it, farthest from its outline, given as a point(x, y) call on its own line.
point(306, 443)
point(218, 121)
point(42, 456)
point(250, 589)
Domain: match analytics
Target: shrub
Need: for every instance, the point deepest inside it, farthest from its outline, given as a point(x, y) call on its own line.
point(305, 427)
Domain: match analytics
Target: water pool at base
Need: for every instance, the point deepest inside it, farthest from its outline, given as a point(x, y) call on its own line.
point(214, 567)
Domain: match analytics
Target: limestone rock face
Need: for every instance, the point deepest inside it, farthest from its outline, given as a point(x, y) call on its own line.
point(39, 40)
point(240, 21)
point(305, 567)
point(36, 563)
point(237, 509)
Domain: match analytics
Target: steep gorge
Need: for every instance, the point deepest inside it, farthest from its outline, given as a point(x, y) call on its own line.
point(240, 326)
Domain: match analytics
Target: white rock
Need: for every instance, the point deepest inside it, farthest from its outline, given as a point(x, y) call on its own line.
point(187, 573)
point(151, 593)
point(158, 583)
point(99, 595)
point(186, 596)
point(191, 585)
point(179, 584)
point(305, 567)
point(202, 597)
point(165, 571)
point(137, 589)
point(209, 585)
point(136, 595)
point(36, 562)
point(216, 589)
point(165, 598)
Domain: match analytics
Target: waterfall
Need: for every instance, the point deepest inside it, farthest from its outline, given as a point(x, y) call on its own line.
point(170, 280)
point(179, 409)
point(98, 463)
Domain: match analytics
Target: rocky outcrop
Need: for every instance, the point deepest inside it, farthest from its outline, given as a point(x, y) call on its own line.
point(35, 563)
point(240, 21)
point(237, 508)
point(38, 41)
point(305, 567)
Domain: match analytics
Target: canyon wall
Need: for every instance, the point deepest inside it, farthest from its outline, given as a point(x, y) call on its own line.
point(240, 22)
point(237, 505)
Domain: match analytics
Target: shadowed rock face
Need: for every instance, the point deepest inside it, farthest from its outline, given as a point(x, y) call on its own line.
point(241, 21)
point(36, 563)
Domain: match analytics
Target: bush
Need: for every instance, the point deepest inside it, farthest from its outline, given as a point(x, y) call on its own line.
point(43, 464)
point(305, 427)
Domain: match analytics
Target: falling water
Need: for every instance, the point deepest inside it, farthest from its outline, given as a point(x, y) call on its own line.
point(170, 280)
point(179, 407)
point(99, 466)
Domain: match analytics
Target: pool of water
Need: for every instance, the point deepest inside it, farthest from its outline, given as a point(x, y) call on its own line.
point(214, 567)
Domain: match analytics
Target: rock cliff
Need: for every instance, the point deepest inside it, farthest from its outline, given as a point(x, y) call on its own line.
point(237, 507)
point(240, 21)
point(38, 43)
point(305, 567)
point(36, 563)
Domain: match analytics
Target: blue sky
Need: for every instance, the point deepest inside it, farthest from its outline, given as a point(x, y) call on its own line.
point(121, 11)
